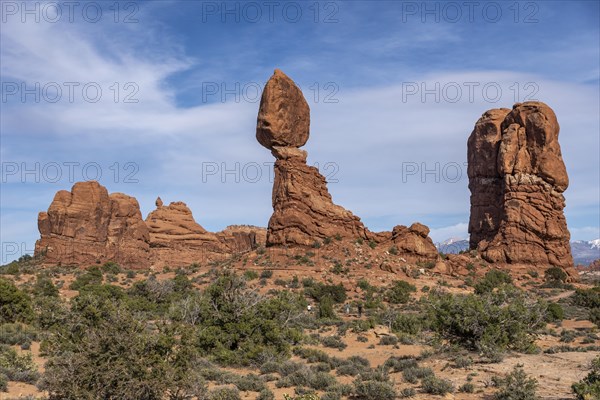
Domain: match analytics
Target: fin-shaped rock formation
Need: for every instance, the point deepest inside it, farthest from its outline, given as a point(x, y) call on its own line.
point(87, 226)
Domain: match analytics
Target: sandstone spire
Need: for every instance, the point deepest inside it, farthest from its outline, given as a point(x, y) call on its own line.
point(517, 177)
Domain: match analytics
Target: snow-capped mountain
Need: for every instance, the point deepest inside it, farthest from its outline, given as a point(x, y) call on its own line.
point(584, 252)
point(453, 245)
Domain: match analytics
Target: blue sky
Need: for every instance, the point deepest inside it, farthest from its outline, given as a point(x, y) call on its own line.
point(166, 93)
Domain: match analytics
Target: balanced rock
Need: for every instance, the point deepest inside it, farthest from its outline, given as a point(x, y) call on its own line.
point(303, 210)
point(517, 178)
point(88, 226)
point(284, 115)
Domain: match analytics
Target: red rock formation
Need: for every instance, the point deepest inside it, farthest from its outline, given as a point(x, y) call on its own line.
point(414, 243)
point(303, 209)
point(517, 177)
point(87, 226)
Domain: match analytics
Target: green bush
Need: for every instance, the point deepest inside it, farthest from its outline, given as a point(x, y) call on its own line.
point(17, 334)
point(492, 323)
point(492, 280)
point(266, 274)
point(15, 305)
point(594, 315)
point(111, 267)
point(388, 340)
point(3, 383)
point(45, 287)
point(266, 394)
point(399, 364)
point(434, 385)
point(17, 367)
point(399, 292)
point(516, 386)
point(224, 393)
point(319, 290)
point(413, 374)
point(237, 326)
point(374, 390)
point(250, 275)
point(555, 312)
point(589, 298)
point(334, 342)
point(92, 276)
point(555, 274)
point(326, 308)
point(589, 387)
point(467, 388)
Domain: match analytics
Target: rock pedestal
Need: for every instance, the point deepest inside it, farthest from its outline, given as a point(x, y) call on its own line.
point(303, 210)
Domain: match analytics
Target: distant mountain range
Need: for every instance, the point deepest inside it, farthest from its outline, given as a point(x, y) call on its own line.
point(584, 252)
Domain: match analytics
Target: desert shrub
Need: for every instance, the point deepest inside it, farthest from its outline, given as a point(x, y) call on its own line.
point(408, 392)
point(594, 315)
point(92, 276)
point(250, 275)
point(45, 287)
point(388, 340)
point(17, 367)
point(103, 350)
point(467, 388)
point(492, 323)
point(555, 312)
point(15, 304)
point(334, 342)
point(311, 355)
point(589, 298)
point(319, 290)
point(111, 267)
point(411, 324)
point(237, 325)
point(555, 274)
point(49, 312)
point(266, 394)
point(3, 383)
point(250, 383)
point(492, 280)
point(399, 292)
point(413, 374)
point(516, 386)
point(17, 334)
point(326, 307)
point(399, 364)
point(434, 385)
point(589, 387)
point(463, 362)
point(348, 369)
point(269, 367)
point(266, 274)
point(224, 393)
point(374, 390)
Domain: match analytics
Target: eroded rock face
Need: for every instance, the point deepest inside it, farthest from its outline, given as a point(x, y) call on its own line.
point(87, 226)
point(303, 210)
point(517, 177)
point(174, 226)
